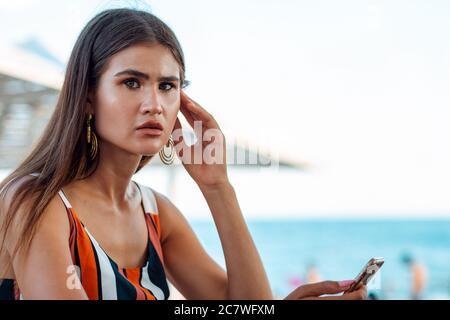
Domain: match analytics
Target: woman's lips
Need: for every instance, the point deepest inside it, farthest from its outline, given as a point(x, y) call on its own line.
point(150, 131)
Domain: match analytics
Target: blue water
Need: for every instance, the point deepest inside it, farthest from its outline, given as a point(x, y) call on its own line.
point(339, 249)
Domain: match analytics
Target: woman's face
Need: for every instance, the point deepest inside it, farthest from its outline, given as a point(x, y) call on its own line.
point(140, 83)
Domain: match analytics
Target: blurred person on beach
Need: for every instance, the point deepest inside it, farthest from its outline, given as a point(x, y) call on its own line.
point(313, 274)
point(73, 223)
point(418, 274)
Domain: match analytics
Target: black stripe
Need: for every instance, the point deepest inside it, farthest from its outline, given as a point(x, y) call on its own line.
point(77, 256)
point(156, 271)
point(99, 272)
point(125, 289)
point(7, 289)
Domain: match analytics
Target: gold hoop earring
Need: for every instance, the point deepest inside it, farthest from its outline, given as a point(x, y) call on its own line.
point(167, 158)
point(91, 139)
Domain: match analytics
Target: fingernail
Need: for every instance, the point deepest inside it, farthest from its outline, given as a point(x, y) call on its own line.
point(346, 283)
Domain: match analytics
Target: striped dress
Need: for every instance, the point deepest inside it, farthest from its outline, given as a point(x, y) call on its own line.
point(101, 277)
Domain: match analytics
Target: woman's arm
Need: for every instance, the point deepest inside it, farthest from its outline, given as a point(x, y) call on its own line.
point(188, 267)
point(45, 270)
point(247, 278)
point(194, 273)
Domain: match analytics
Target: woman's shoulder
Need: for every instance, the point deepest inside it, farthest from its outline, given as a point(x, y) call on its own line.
point(170, 217)
point(10, 191)
point(53, 216)
point(18, 187)
point(158, 200)
point(11, 188)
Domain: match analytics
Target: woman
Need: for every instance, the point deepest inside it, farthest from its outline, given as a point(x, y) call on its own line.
point(73, 223)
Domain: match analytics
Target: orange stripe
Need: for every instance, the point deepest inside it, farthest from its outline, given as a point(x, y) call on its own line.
point(87, 261)
point(139, 294)
point(133, 276)
point(154, 239)
point(155, 218)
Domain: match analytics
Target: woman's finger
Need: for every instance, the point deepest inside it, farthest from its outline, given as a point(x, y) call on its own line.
point(177, 133)
point(177, 125)
point(359, 294)
point(198, 111)
point(324, 287)
point(179, 144)
point(188, 115)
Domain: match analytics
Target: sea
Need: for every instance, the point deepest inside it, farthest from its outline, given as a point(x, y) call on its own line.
point(337, 250)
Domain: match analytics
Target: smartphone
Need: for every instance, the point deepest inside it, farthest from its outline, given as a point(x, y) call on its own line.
point(367, 273)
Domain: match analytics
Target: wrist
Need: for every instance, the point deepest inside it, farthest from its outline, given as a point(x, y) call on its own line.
point(218, 187)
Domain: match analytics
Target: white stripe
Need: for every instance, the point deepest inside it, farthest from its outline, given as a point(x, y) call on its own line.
point(109, 290)
point(147, 283)
point(149, 199)
point(64, 199)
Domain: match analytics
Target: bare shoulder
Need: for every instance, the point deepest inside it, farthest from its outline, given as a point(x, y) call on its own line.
point(8, 193)
point(47, 254)
point(10, 190)
point(170, 216)
point(53, 218)
point(162, 201)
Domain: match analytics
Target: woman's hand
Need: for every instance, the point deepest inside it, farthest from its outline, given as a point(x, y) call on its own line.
point(205, 161)
point(314, 291)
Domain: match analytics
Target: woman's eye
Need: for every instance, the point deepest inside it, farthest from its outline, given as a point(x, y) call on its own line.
point(132, 83)
point(166, 86)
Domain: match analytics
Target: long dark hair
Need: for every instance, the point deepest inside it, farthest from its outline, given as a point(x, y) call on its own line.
point(62, 154)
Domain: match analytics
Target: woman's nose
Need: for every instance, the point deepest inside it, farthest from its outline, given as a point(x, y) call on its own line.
point(152, 104)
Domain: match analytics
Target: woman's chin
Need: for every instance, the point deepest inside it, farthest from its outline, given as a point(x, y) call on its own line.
point(148, 153)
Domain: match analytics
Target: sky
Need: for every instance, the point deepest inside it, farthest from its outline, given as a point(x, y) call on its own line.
point(359, 90)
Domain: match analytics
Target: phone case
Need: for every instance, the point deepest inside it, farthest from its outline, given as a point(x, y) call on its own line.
point(366, 274)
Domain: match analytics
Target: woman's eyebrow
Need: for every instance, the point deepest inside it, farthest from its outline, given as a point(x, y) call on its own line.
point(139, 74)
